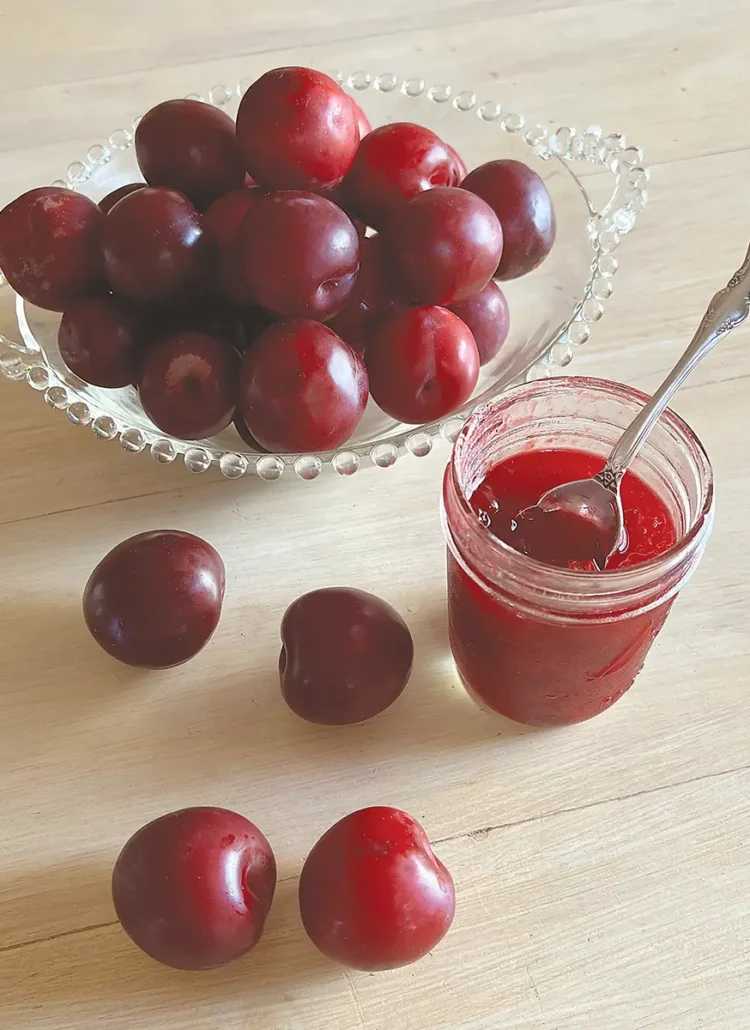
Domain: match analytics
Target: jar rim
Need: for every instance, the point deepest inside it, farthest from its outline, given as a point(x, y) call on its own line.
point(585, 585)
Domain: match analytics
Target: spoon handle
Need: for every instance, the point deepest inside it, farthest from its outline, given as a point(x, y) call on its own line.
point(728, 308)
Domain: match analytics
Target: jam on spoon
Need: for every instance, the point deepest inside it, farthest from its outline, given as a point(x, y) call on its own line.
point(587, 514)
point(510, 486)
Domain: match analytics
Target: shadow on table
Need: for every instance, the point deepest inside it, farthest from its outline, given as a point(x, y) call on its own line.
point(51, 633)
point(242, 733)
point(100, 972)
point(225, 722)
point(40, 903)
point(434, 714)
point(71, 673)
point(71, 469)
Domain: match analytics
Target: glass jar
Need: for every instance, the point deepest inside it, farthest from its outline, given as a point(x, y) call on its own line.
point(548, 646)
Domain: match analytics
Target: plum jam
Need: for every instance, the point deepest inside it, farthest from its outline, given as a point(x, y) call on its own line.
point(519, 481)
point(551, 642)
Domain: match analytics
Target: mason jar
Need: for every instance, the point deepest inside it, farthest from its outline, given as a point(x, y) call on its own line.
point(550, 646)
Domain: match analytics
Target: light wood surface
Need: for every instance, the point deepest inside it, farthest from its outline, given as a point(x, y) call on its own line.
point(603, 871)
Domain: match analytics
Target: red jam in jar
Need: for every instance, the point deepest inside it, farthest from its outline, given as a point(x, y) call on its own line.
point(553, 644)
point(520, 480)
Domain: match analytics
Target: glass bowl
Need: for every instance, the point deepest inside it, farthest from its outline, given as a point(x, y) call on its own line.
point(598, 187)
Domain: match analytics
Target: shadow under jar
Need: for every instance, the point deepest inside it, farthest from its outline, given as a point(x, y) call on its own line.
point(551, 646)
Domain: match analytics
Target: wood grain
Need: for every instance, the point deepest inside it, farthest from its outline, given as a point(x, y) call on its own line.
point(627, 914)
point(602, 871)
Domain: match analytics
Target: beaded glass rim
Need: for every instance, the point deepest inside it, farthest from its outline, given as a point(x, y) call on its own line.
point(25, 362)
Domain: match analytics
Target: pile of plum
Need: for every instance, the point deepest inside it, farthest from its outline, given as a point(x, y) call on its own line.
point(193, 888)
point(279, 271)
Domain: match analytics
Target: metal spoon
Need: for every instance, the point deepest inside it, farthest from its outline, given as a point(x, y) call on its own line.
point(595, 503)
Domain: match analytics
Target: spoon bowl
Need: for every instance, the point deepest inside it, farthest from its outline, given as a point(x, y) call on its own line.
point(582, 523)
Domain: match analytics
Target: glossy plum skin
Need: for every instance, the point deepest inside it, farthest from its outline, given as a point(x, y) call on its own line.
point(154, 248)
point(459, 171)
point(522, 202)
point(220, 223)
point(346, 656)
point(245, 435)
point(255, 321)
point(371, 300)
point(190, 147)
point(302, 388)
point(336, 196)
point(50, 246)
point(155, 599)
point(207, 315)
point(297, 130)
point(100, 341)
point(395, 162)
point(444, 246)
point(189, 385)
point(222, 219)
point(423, 364)
point(193, 888)
point(298, 254)
point(373, 895)
point(363, 122)
point(220, 321)
point(107, 203)
point(487, 316)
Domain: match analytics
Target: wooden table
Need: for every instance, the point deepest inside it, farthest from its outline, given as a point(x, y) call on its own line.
point(602, 871)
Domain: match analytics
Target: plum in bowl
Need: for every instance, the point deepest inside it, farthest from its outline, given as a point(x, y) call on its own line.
point(597, 185)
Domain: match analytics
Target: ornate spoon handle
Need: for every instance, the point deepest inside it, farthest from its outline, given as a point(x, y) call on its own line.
point(727, 309)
